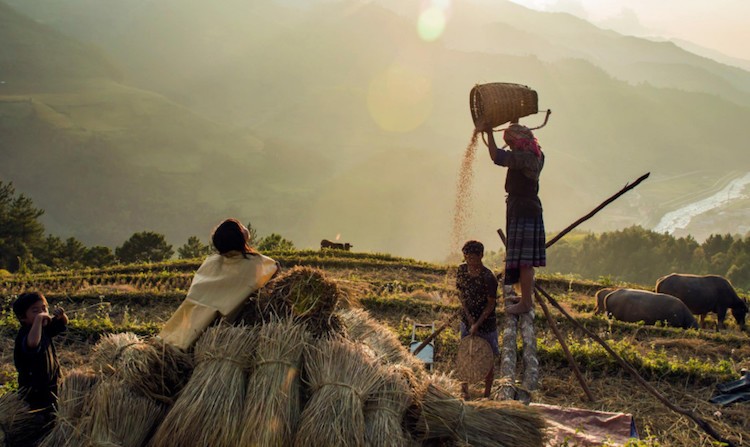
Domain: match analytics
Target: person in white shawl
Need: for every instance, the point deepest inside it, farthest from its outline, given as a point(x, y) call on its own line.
point(221, 285)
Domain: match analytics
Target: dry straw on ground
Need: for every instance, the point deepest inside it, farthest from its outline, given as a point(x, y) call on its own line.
point(75, 392)
point(272, 408)
point(385, 409)
point(478, 423)
point(341, 376)
point(209, 410)
point(17, 425)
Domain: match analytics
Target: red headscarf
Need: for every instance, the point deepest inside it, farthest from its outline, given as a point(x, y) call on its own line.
point(520, 138)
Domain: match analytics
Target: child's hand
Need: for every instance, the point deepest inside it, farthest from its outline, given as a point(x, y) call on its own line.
point(43, 318)
point(60, 315)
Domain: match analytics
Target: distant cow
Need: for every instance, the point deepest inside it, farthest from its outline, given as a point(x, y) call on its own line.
point(633, 305)
point(704, 294)
point(325, 243)
point(600, 299)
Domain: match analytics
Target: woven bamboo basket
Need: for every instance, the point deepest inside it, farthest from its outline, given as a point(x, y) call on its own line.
point(474, 359)
point(497, 103)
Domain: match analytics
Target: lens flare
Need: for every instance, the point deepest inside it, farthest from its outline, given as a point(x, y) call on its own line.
point(433, 20)
point(400, 100)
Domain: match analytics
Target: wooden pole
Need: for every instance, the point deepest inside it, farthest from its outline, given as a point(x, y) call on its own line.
point(432, 336)
point(568, 355)
point(588, 216)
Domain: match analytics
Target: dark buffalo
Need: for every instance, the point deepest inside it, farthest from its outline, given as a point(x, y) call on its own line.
point(634, 305)
point(325, 243)
point(704, 294)
point(600, 299)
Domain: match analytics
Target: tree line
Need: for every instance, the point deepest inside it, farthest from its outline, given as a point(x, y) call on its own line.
point(637, 255)
point(24, 246)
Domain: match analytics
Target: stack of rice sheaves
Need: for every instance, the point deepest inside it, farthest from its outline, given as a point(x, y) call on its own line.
point(293, 369)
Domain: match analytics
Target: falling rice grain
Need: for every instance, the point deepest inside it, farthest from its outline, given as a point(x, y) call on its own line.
point(462, 208)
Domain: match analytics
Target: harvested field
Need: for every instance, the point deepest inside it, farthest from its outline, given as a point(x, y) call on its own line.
point(683, 365)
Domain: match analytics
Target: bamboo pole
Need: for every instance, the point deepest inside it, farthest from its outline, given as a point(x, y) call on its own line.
point(432, 336)
point(588, 216)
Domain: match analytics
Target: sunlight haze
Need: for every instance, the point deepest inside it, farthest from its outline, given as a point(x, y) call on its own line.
point(312, 119)
point(721, 25)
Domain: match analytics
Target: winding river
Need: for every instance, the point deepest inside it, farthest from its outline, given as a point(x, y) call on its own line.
point(680, 218)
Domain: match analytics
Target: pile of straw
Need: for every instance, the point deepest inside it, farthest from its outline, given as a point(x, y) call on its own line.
point(385, 409)
point(75, 391)
point(387, 347)
point(209, 410)
point(341, 377)
point(122, 417)
point(155, 369)
point(478, 423)
point(303, 293)
point(106, 352)
point(17, 424)
point(272, 404)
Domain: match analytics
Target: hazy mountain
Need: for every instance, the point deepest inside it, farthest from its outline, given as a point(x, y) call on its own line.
point(105, 159)
point(358, 126)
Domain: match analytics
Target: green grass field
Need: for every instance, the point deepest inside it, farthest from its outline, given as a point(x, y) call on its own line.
point(683, 365)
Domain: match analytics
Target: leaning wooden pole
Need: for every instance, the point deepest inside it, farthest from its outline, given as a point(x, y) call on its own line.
point(625, 364)
point(568, 355)
point(437, 331)
point(588, 216)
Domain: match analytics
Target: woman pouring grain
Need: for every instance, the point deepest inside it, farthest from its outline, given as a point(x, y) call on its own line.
point(524, 224)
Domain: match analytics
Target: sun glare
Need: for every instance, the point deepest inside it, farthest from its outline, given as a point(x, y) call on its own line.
point(433, 19)
point(400, 99)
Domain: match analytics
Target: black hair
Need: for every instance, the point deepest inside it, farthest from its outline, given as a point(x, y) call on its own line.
point(25, 301)
point(473, 247)
point(228, 236)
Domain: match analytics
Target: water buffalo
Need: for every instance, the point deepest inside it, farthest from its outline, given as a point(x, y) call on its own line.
point(634, 305)
point(600, 299)
point(325, 243)
point(704, 294)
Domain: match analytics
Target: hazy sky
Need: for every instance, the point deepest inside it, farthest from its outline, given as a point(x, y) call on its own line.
point(722, 25)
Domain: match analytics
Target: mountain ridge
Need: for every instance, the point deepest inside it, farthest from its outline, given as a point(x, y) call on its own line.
point(344, 118)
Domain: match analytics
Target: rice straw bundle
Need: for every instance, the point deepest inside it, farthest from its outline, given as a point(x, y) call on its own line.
point(385, 409)
point(341, 376)
point(107, 351)
point(388, 348)
point(272, 408)
point(17, 425)
point(479, 423)
point(302, 292)
point(75, 391)
point(155, 369)
point(121, 417)
point(209, 410)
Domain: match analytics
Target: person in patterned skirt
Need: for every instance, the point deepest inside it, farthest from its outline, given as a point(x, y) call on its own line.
point(524, 223)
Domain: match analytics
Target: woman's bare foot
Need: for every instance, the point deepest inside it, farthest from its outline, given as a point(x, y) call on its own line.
point(519, 308)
